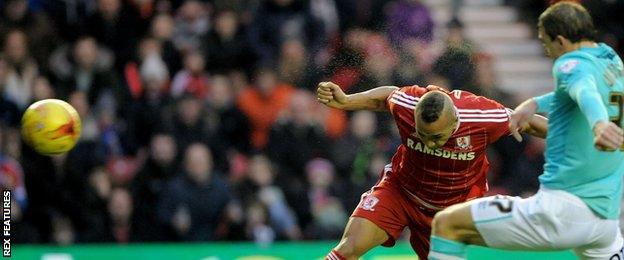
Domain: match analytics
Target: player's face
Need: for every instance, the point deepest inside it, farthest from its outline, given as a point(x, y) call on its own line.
point(552, 47)
point(436, 134)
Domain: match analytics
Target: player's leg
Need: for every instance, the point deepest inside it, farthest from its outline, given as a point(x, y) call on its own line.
point(379, 219)
point(549, 220)
point(497, 221)
point(608, 245)
point(452, 229)
point(360, 236)
point(456, 223)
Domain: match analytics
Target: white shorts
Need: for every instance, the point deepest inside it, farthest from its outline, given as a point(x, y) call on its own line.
point(549, 220)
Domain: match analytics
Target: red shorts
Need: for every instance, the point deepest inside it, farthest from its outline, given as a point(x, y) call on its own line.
point(387, 206)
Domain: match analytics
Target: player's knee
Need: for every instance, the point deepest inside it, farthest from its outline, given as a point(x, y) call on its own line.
point(350, 248)
point(442, 224)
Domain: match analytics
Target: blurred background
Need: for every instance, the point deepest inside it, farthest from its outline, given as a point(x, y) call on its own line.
point(200, 121)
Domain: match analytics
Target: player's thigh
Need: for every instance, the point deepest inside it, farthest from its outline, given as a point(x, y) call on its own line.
point(509, 222)
point(456, 222)
point(383, 206)
point(609, 243)
point(360, 236)
point(549, 220)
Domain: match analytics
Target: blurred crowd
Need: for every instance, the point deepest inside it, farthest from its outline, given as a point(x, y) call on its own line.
point(199, 117)
point(607, 15)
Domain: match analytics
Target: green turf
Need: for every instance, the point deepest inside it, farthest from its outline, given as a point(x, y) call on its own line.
point(244, 251)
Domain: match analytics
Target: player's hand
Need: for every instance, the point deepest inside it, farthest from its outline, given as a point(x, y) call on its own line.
point(331, 95)
point(607, 136)
point(521, 117)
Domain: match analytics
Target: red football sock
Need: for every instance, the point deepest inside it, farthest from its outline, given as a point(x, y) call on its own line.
point(334, 255)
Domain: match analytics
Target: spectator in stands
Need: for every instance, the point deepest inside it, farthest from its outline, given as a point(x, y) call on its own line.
point(145, 9)
point(22, 69)
point(120, 216)
point(192, 79)
point(9, 112)
point(277, 21)
point(456, 62)
point(154, 99)
point(327, 13)
point(90, 129)
point(193, 204)
point(295, 66)
point(86, 67)
point(88, 151)
point(232, 126)
point(162, 30)
point(413, 62)
point(12, 143)
point(346, 66)
point(380, 62)
point(297, 137)
point(327, 211)
point(360, 137)
point(192, 22)
point(93, 221)
point(42, 89)
point(40, 29)
point(116, 27)
point(43, 181)
point(354, 151)
point(148, 185)
point(363, 14)
point(264, 103)
point(407, 20)
point(148, 48)
point(260, 187)
point(258, 228)
point(62, 231)
point(486, 84)
point(12, 178)
point(226, 46)
point(187, 122)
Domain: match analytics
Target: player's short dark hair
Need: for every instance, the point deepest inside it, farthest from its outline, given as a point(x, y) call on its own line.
point(431, 107)
point(570, 20)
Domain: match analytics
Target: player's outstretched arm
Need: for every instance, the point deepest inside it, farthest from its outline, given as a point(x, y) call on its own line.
point(607, 135)
point(332, 95)
point(538, 126)
point(524, 120)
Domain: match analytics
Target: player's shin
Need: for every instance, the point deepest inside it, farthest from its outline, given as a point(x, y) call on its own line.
point(444, 249)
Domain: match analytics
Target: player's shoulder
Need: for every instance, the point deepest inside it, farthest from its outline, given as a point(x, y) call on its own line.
point(405, 97)
point(474, 110)
point(411, 91)
point(573, 62)
point(468, 100)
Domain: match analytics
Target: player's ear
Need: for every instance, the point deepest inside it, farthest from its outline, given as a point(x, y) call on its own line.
point(561, 40)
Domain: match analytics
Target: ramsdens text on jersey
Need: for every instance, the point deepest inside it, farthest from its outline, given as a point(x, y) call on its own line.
point(418, 146)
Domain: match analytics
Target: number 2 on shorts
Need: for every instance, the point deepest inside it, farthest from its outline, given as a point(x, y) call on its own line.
point(498, 203)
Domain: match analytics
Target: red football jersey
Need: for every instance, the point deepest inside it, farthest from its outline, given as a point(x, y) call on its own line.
point(456, 172)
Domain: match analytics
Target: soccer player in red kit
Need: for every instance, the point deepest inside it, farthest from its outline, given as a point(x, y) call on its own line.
point(441, 160)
